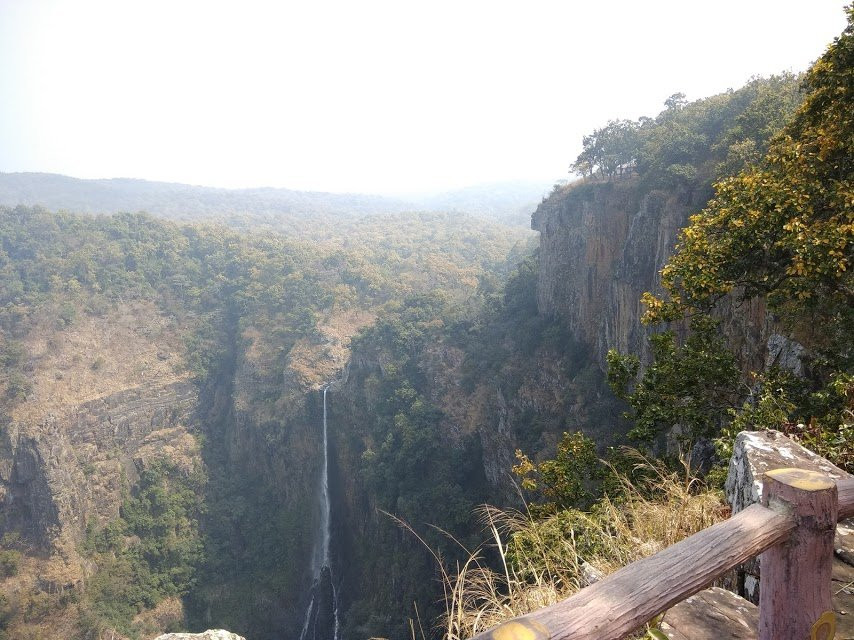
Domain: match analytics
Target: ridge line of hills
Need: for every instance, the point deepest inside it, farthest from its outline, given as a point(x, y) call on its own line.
point(509, 201)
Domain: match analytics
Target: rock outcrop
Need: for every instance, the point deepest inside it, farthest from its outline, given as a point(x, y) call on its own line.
point(603, 244)
point(65, 471)
point(754, 453)
point(601, 247)
point(210, 634)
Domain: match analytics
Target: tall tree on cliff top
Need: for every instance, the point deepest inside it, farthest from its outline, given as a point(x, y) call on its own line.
point(784, 231)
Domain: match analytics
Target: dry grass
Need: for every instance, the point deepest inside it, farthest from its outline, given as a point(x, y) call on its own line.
point(315, 363)
point(654, 514)
point(542, 562)
point(132, 345)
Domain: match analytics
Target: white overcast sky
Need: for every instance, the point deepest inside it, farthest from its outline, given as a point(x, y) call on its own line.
point(367, 96)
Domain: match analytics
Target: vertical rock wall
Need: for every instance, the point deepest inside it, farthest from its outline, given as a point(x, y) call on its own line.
point(65, 470)
point(602, 245)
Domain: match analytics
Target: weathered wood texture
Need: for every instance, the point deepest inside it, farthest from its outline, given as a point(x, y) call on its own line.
point(796, 576)
point(754, 454)
point(712, 614)
point(845, 487)
point(630, 597)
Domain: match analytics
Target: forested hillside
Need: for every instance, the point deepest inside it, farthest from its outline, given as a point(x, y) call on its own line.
point(308, 214)
point(147, 366)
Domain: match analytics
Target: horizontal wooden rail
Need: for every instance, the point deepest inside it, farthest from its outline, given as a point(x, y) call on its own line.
point(625, 600)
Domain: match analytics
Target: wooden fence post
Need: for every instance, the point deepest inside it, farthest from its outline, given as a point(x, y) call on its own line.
point(795, 582)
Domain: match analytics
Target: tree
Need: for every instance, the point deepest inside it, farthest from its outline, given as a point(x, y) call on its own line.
point(565, 481)
point(784, 230)
point(676, 102)
point(690, 385)
point(612, 150)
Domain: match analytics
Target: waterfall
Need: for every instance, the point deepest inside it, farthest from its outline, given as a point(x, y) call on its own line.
point(321, 616)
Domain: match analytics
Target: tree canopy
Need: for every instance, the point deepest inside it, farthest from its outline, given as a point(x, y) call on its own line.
point(784, 229)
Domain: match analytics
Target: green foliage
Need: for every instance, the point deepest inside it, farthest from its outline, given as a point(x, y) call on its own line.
point(688, 385)
point(688, 144)
point(18, 386)
point(611, 150)
point(421, 457)
point(151, 551)
point(822, 420)
point(412, 468)
point(565, 481)
point(6, 613)
point(10, 561)
point(544, 538)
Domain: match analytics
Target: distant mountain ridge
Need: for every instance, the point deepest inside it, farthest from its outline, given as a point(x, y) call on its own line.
point(175, 200)
point(511, 201)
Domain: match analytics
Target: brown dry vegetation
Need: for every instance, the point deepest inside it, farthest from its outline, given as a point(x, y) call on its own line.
point(317, 361)
point(96, 356)
point(545, 561)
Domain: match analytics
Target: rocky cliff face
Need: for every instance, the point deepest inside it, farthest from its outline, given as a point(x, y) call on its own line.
point(89, 426)
point(65, 471)
point(602, 245)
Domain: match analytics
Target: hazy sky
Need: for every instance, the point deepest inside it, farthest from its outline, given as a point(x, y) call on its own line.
point(360, 95)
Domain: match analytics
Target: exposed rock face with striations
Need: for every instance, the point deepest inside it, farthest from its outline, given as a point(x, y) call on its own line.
point(90, 425)
point(582, 234)
point(602, 245)
point(66, 470)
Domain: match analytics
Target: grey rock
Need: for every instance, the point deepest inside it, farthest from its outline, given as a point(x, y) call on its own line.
point(602, 246)
point(210, 634)
point(785, 353)
point(754, 453)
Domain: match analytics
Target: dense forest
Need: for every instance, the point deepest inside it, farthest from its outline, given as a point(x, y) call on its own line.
point(160, 444)
point(216, 296)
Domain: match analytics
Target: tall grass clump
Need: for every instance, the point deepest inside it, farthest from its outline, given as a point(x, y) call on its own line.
point(528, 562)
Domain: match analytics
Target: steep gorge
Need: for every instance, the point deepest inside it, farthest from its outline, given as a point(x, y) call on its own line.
point(437, 379)
point(159, 451)
point(448, 398)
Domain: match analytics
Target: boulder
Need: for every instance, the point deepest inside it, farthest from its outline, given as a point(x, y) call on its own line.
point(756, 452)
point(210, 634)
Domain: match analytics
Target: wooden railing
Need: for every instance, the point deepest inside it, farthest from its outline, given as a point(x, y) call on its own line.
point(793, 529)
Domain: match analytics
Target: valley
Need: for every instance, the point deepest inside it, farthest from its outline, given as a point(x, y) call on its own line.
point(282, 412)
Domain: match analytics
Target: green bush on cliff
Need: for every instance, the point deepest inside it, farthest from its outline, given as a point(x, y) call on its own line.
point(152, 551)
point(10, 561)
point(689, 385)
point(782, 232)
point(569, 480)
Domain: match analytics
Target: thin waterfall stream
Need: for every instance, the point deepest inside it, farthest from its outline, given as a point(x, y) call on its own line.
point(321, 616)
